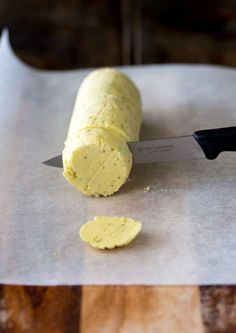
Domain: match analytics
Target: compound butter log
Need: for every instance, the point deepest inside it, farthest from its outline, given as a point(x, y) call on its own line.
point(107, 114)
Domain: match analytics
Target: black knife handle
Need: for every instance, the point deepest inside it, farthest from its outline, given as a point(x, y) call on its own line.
point(215, 141)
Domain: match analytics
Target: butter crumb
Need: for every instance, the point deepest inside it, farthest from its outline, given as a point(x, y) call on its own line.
point(147, 189)
point(57, 253)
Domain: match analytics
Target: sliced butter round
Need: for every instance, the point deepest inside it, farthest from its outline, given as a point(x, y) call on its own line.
point(97, 162)
point(106, 232)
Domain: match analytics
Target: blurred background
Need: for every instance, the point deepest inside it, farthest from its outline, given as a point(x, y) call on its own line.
point(64, 34)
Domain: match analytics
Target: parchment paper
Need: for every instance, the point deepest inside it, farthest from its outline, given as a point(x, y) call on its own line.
point(189, 216)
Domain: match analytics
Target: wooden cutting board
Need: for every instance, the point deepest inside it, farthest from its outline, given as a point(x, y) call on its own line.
point(117, 309)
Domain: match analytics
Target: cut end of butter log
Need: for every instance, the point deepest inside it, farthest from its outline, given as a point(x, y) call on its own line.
point(107, 114)
point(106, 232)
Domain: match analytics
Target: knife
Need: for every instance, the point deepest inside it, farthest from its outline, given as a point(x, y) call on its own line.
point(202, 144)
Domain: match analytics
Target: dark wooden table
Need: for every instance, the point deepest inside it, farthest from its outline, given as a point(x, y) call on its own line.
point(72, 34)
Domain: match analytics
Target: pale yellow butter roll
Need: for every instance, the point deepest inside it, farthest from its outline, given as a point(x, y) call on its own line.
point(107, 114)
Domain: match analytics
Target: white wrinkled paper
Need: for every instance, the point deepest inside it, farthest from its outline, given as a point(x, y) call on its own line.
point(188, 216)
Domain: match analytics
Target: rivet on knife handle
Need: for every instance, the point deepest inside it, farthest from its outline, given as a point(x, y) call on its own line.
point(215, 141)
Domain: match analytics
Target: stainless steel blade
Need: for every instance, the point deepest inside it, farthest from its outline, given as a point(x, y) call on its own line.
point(155, 151)
point(166, 150)
point(56, 162)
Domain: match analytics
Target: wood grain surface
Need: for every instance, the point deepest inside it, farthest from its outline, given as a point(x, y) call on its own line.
point(39, 309)
point(117, 309)
point(73, 34)
point(137, 309)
